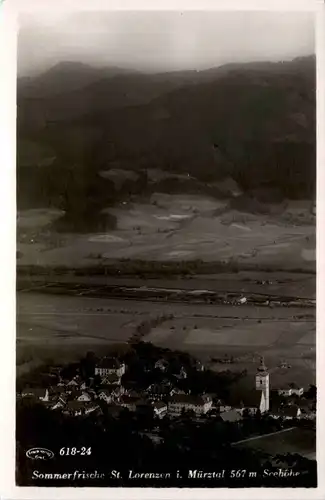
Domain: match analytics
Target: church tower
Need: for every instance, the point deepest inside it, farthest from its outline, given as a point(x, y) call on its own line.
point(262, 379)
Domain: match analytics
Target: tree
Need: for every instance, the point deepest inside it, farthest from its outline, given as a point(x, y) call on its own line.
point(312, 392)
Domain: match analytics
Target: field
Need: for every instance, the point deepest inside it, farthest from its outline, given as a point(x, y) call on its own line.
point(180, 227)
point(58, 323)
point(295, 440)
point(278, 284)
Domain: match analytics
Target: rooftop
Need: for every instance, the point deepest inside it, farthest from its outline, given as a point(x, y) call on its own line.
point(159, 405)
point(188, 399)
point(110, 363)
point(231, 416)
point(111, 378)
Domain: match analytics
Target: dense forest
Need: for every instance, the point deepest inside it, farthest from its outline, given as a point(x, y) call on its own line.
point(254, 123)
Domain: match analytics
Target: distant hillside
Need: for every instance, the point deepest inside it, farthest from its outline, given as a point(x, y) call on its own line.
point(254, 123)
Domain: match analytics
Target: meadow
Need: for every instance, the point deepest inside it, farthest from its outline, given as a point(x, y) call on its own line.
point(59, 323)
point(178, 227)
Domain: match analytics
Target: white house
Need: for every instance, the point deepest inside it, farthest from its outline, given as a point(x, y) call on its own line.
point(285, 391)
point(73, 383)
point(186, 402)
point(223, 408)
point(108, 366)
point(160, 409)
point(85, 396)
point(105, 395)
point(290, 390)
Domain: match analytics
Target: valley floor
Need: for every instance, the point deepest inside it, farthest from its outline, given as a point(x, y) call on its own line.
point(63, 326)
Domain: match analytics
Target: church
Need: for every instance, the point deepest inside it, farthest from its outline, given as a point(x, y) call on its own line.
point(253, 399)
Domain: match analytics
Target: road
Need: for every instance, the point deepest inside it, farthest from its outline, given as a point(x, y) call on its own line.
point(263, 436)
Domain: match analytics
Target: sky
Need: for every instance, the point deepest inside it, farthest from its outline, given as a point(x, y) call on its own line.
point(161, 41)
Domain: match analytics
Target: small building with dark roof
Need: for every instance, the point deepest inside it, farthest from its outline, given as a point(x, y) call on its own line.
point(231, 416)
point(160, 409)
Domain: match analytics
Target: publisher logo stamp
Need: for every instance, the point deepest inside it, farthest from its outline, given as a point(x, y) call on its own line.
point(39, 454)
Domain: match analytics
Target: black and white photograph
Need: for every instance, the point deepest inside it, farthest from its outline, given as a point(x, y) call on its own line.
point(166, 249)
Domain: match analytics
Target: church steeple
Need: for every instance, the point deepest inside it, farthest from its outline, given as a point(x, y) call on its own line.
point(262, 367)
point(262, 383)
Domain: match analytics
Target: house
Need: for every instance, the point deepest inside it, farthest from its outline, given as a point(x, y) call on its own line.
point(116, 391)
point(134, 394)
point(285, 390)
point(178, 403)
point(287, 412)
point(105, 395)
point(108, 366)
point(74, 408)
point(219, 404)
point(250, 400)
point(58, 402)
point(160, 391)
point(159, 409)
point(291, 389)
point(111, 379)
point(176, 390)
point(231, 416)
point(297, 390)
point(36, 392)
point(73, 383)
point(222, 406)
point(85, 396)
point(129, 402)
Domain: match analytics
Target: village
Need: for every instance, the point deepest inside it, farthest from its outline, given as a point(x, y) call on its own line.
point(160, 385)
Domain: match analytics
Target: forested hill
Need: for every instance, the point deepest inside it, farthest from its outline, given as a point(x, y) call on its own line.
point(253, 122)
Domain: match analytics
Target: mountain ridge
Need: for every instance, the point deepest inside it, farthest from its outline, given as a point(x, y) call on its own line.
point(252, 122)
